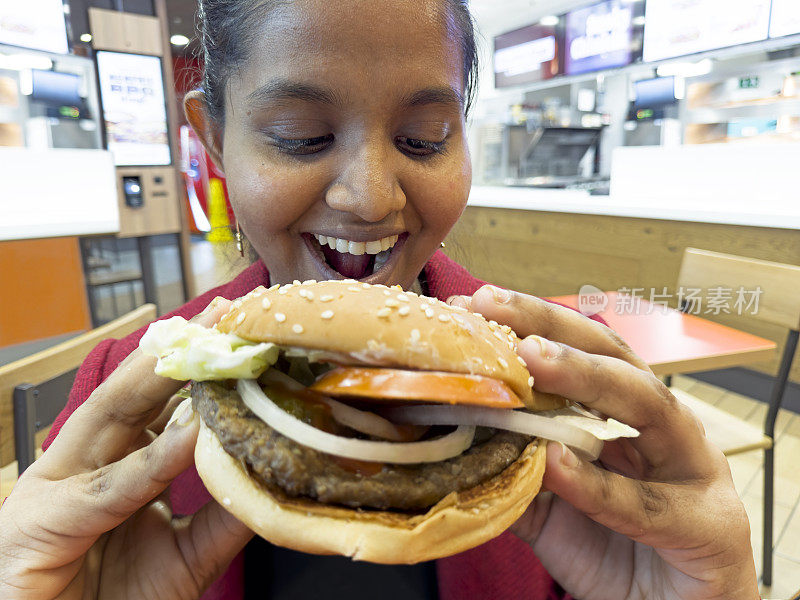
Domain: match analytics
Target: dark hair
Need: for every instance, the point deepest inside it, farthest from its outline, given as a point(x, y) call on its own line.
point(227, 30)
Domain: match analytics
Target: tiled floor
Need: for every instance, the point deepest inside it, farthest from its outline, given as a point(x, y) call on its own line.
point(748, 476)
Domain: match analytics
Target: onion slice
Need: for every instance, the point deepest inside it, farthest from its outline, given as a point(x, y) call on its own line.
point(435, 450)
point(360, 420)
point(582, 442)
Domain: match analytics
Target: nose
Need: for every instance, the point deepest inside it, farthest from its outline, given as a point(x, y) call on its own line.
point(368, 185)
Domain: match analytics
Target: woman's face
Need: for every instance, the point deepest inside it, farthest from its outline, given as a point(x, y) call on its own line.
point(345, 127)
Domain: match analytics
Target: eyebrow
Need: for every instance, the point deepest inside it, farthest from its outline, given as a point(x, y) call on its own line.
point(283, 89)
point(434, 95)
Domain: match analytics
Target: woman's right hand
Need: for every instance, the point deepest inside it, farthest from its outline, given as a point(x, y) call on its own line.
point(91, 517)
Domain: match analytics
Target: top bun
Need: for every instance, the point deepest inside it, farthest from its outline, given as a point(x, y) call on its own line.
point(378, 325)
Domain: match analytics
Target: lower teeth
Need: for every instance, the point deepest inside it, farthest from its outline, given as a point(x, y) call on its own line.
point(380, 259)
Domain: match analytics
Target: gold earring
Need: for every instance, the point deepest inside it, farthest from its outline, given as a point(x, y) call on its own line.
point(239, 245)
point(442, 244)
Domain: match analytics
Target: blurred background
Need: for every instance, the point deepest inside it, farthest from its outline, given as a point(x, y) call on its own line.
point(606, 138)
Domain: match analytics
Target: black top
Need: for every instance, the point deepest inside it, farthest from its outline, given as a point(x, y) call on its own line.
point(276, 573)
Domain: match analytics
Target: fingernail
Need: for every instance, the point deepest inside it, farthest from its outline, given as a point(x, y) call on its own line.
point(547, 348)
point(568, 458)
point(185, 417)
point(212, 305)
point(501, 296)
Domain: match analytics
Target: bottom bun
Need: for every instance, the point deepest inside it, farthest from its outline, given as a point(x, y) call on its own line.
point(458, 522)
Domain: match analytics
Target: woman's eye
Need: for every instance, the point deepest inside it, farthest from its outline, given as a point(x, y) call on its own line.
point(304, 145)
point(417, 147)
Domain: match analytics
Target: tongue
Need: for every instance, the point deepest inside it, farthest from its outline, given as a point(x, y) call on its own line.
point(348, 264)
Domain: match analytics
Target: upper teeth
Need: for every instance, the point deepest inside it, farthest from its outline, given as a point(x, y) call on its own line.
point(357, 248)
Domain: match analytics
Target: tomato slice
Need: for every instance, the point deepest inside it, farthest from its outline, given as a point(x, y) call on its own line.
point(417, 386)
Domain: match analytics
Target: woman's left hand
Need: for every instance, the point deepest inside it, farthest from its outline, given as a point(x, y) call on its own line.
point(657, 516)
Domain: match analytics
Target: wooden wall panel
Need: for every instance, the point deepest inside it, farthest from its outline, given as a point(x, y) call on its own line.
point(551, 254)
point(42, 291)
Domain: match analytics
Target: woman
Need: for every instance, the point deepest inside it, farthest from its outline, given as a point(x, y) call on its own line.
point(346, 120)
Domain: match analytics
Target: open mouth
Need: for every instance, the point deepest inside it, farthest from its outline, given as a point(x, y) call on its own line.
point(341, 258)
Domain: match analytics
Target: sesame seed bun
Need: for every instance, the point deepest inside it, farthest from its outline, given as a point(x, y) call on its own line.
point(460, 521)
point(378, 325)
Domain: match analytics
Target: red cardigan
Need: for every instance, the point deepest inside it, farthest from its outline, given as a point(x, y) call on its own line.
point(504, 568)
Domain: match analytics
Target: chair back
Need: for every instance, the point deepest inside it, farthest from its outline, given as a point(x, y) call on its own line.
point(779, 284)
point(45, 368)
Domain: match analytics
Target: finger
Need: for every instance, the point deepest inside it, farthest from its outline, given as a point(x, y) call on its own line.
point(528, 315)
point(209, 540)
point(158, 424)
point(669, 437)
point(649, 512)
point(119, 409)
point(89, 504)
point(461, 301)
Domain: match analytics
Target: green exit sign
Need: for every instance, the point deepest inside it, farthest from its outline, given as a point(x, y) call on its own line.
point(748, 83)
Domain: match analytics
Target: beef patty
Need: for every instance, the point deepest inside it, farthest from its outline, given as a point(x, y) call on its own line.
point(302, 471)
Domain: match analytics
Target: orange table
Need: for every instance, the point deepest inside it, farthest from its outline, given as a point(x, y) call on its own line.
point(673, 342)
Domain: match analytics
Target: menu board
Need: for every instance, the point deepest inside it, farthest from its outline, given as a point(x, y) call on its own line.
point(132, 92)
point(599, 37)
point(680, 27)
point(525, 55)
point(785, 18)
point(36, 24)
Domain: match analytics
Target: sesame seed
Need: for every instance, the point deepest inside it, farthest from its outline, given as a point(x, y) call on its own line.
point(424, 306)
point(384, 312)
point(459, 309)
point(397, 287)
point(498, 335)
point(303, 293)
point(521, 361)
point(296, 282)
point(366, 286)
point(309, 281)
point(444, 318)
point(353, 288)
point(493, 323)
point(274, 287)
point(505, 329)
point(297, 328)
point(240, 319)
point(265, 304)
point(415, 335)
point(349, 281)
point(429, 313)
point(402, 297)
point(392, 303)
point(530, 381)
point(404, 310)
point(284, 290)
point(503, 362)
point(280, 317)
point(387, 293)
point(226, 501)
point(309, 295)
point(326, 298)
point(328, 314)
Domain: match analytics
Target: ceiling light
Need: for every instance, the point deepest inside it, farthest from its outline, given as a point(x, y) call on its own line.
point(86, 37)
point(549, 21)
point(22, 62)
point(686, 69)
point(179, 40)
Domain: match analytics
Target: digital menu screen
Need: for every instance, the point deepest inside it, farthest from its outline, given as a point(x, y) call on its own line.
point(135, 114)
point(599, 37)
point(36, 24)
point(785, 18)
point(525, 55)
point(681, 27)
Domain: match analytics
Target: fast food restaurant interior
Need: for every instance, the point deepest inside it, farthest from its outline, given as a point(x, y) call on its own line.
point(635, 159)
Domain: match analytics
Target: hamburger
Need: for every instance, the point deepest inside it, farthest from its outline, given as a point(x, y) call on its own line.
point(345, 418)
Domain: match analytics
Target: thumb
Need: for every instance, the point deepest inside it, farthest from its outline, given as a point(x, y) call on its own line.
point(114, 492)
